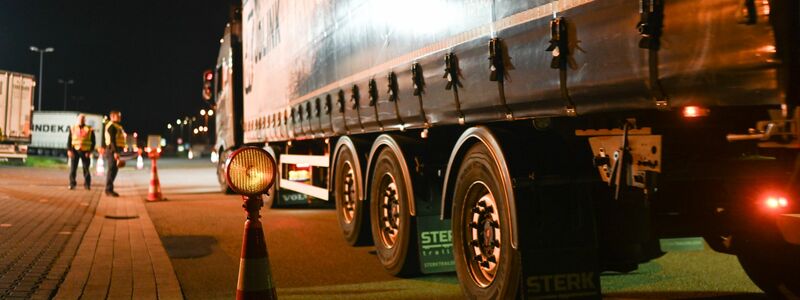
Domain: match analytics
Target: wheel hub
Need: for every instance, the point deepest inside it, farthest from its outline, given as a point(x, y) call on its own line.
point(485, 236)
point(389, 211)
point(349, 193)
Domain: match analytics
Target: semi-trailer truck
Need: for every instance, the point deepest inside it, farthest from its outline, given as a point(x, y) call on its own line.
point(16, 105)
point(529, 145)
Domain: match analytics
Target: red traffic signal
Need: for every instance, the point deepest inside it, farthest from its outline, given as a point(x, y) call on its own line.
point(208, 77)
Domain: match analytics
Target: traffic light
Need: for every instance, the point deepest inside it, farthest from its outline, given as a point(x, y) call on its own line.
point(208, 77)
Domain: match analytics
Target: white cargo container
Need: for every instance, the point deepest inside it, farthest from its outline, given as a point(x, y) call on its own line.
point(51, 128)
point(16, 104)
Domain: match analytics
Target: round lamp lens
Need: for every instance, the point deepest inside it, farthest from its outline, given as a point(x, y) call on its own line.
point(251, 171)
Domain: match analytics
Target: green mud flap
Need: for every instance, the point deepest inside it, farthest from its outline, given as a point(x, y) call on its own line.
point(435, 241)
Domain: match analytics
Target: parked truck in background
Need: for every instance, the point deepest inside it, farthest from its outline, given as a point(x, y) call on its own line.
point(530, 145)
point(16, 105)
point(51, 129)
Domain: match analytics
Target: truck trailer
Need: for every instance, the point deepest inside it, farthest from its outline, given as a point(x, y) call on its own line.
point(51, 130)
point(16, 106)
point(529, 145)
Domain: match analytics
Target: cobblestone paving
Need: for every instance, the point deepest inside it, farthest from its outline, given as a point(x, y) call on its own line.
point(41, 225)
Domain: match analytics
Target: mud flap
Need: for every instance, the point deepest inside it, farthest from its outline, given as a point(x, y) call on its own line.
point(558, 241)
point(435, 240)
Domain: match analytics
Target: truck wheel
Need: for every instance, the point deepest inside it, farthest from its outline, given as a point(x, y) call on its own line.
point(351, 212)
point(774, 267)
point(221, 177)
point(392, 223)
point(486, 264)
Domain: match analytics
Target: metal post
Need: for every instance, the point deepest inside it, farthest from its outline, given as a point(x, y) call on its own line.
point(41, 79)
point(41, 70)
point(66, 83)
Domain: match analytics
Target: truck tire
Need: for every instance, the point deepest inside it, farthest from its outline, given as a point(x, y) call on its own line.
point(393, 227)
point(774, 267)
point(351, 212)
point(221, 177)
point(481, 225)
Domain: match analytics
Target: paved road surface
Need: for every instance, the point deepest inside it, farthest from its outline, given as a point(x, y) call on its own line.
point(201, 229)
point(41, 225)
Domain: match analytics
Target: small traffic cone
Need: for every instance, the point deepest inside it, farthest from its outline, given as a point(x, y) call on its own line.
point(255, 279)
point(139, 162)
point(154, 191)
point(101, 166)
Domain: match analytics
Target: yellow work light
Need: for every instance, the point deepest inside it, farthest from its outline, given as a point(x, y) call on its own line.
point(250, 171)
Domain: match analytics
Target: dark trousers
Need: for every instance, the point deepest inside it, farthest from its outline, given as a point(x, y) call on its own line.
point(112, 171)
point(73, 168)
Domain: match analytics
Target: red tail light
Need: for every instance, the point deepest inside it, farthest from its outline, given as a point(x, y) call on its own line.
point(776, 202)
point(695, 111)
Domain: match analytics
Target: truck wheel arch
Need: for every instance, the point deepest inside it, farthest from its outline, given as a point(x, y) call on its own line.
point(473, 135)
point(386, 140)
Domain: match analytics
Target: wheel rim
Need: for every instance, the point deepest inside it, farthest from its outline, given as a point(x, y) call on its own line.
point(348, 193)
point(221, 170)
point(389, 211)
point(483, 234)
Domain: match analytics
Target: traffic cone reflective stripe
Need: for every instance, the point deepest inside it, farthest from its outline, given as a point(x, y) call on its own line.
point(154, 191)
point(255, 280)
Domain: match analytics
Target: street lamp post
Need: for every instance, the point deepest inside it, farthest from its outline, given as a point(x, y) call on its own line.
point(41, 67)
point(66, 83)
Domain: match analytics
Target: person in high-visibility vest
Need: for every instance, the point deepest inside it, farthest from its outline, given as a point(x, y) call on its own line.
point(80, 143)
point(115, 144)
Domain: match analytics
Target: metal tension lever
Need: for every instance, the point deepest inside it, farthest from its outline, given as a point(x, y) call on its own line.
point(618, 180)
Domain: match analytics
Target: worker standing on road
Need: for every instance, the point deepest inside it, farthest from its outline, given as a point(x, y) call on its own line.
point(115, 143)
point(80, 143)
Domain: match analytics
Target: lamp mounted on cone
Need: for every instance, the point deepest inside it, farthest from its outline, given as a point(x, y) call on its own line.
point(250, 172)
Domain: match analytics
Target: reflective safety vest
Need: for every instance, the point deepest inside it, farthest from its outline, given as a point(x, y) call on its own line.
point(119, 140)
point(81, 138)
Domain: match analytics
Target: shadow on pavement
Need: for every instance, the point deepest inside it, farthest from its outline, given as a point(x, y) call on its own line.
point(188, 246)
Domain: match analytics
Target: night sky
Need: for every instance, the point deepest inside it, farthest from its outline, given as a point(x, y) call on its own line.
point(143, 57)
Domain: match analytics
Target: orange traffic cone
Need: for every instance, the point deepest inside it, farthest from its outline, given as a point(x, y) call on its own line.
point(101, 165)
point(154, 191)
point(255, 279)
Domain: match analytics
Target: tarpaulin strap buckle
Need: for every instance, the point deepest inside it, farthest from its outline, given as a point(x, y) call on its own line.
point(342, 107)
point(499, 64)
point(749, 13)
point(559, 43)
point(452, 73)
point(328, 104)
point(373, 100)
point(559, 46)
point(650, 27)
point(340, 101)
point(355, 97)
point(418, 78)
point(393, 87)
